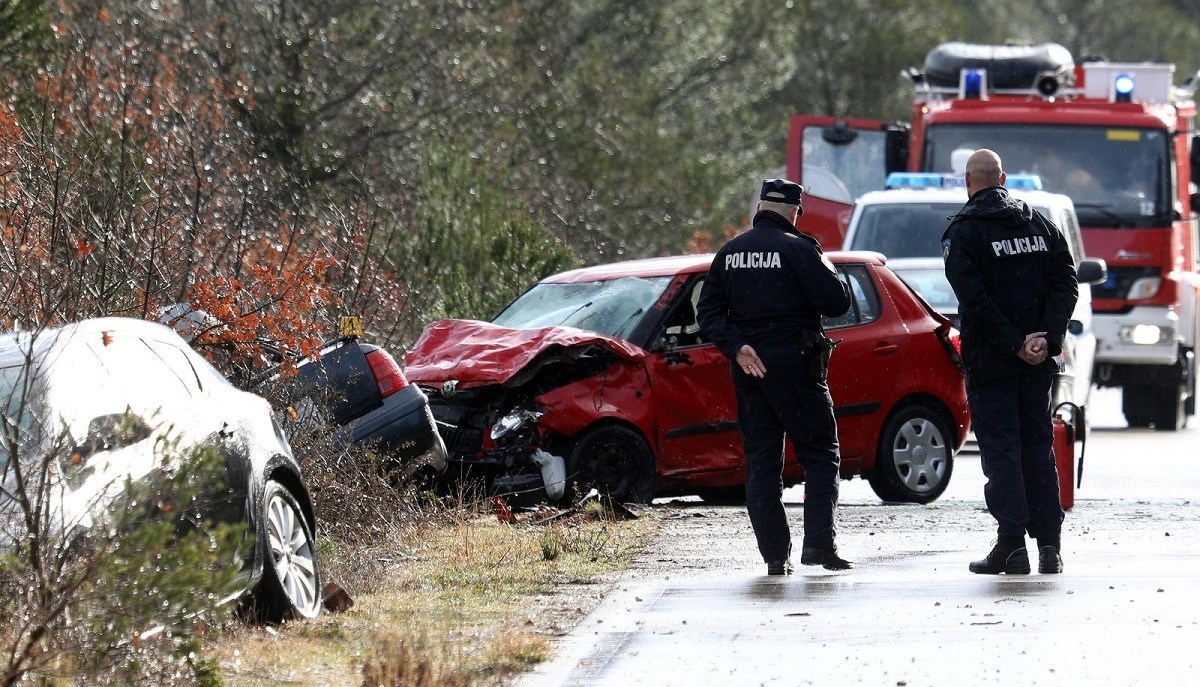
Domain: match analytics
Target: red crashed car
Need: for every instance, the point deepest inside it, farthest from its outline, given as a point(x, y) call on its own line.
point(601, 377)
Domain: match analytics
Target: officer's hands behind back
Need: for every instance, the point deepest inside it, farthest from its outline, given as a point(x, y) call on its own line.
point(1034, 350)
point(751, 364)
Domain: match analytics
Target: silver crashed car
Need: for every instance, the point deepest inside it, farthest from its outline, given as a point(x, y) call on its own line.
point(111, 390)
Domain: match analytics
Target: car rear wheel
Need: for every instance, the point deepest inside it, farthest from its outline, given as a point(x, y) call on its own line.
point(615, 461)
point(291, 581)
point(916, 456)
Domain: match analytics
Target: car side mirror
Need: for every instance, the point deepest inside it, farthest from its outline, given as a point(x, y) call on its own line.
point(1092, 271)
point(113, 432)
point(1075, 327)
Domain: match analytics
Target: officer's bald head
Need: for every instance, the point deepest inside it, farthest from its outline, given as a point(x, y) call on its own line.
point(983, 170)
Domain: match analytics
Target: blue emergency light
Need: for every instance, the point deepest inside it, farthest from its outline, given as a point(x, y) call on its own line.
point(1123, 88)
point(1023, 182)
point(972, 84)
point(914, 180)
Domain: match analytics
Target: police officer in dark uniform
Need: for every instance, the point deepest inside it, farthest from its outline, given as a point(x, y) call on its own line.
point(762, 304)
point(1015, 281)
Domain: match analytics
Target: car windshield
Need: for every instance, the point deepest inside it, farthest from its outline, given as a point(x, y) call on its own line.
point(12, 394)
point(1117, 177)
point(906, 230)
point(606, 307)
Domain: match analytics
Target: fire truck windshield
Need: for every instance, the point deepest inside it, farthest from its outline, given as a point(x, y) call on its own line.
point(1117, 177)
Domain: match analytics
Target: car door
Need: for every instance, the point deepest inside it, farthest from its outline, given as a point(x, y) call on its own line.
point(110, 431)
point(867, 363)
point(838, 160)
point(695, 410)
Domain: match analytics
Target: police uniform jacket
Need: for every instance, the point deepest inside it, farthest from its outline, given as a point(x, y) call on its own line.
point(1013, 274)
point(768, 287)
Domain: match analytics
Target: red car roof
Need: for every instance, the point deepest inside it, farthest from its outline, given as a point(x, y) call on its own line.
point(678, 264)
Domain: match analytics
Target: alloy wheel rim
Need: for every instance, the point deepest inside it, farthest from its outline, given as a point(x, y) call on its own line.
point(292, 554)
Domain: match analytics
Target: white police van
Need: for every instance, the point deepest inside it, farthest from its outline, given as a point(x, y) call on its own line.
point(906, 221)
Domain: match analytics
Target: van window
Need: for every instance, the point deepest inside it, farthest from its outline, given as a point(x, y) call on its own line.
point(903, 230)
point(1070, 229)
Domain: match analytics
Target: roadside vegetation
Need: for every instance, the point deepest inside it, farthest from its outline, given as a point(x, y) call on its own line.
point(279, 164)
point(457, 598)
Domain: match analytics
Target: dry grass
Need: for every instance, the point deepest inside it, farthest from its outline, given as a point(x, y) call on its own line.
point(455, 599)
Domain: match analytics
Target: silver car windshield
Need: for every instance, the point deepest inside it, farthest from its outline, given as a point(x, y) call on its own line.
point(611, 307)
point(12, 396)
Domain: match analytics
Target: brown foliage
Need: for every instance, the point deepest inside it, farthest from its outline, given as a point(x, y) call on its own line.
point(127, 185)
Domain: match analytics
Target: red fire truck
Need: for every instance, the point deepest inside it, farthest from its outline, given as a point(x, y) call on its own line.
point(1118, 138)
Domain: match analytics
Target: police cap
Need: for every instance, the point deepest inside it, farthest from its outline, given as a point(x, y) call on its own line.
point(781, 191)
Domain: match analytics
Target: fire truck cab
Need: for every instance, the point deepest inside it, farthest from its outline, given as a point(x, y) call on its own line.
point(1118, 138)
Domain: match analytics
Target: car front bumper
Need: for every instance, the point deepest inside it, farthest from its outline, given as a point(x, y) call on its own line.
point(1143, 336)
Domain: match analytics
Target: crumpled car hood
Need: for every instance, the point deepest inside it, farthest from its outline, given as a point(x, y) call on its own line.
point(478, 353)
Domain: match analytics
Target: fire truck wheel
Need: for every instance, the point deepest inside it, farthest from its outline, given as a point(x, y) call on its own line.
point(1161, 406)
point(915, 457)
point(615, 461)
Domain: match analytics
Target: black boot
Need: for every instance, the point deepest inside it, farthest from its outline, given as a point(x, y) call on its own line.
point(1008, 556)
point(827, 558)
point(1049, 556)
point(782, 566)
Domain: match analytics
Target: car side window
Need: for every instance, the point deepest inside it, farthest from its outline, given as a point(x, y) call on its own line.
point(681, 328)
point(864, 299)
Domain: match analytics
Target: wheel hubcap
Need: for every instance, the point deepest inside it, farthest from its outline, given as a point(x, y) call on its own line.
point(920, 455)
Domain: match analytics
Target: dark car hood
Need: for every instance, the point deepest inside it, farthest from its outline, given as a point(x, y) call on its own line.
point(478, 353)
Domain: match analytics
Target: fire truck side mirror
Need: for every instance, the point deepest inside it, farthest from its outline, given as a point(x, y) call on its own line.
point(840, 134)
point(896, 148)
point(1195, 159)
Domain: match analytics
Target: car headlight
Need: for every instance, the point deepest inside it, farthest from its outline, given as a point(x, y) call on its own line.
point(1146, 334)
point(1145, 287)
point(513, 421)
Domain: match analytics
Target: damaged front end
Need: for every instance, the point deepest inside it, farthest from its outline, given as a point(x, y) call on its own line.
point(507, 401)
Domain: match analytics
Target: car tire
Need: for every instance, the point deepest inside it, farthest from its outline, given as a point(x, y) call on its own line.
point(615, 461)
point(915, 458)
point(290, 585)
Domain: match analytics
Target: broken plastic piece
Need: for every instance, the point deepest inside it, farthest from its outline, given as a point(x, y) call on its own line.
point(503, 512)
point(554, 473)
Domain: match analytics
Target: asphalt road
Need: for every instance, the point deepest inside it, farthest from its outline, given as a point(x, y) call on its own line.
point(698, 609)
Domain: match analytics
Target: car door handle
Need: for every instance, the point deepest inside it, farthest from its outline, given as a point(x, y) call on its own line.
point(885, 348)
point(678, 357)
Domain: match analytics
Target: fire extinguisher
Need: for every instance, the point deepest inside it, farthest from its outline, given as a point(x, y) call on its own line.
point(1067, 431)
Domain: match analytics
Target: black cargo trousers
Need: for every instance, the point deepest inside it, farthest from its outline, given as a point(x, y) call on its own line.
point(787, 400)
point(1011, 420)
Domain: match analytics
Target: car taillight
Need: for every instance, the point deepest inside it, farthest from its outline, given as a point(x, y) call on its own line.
point(952, 342)
point(387, 373)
